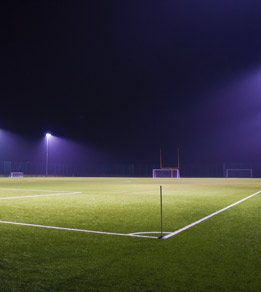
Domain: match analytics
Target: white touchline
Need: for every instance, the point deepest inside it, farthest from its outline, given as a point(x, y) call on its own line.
point(79, 230)
point(36, 196)
point(207, 217)
point(29, 190)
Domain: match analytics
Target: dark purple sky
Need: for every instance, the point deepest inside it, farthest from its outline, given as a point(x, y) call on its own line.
point(133, 76)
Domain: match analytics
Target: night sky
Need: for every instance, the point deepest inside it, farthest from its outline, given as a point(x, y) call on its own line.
point(130, 77)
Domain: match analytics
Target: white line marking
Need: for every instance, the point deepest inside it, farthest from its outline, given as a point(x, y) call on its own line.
point(30, 190)
point(137, 234)
point(207, 217)
point(36, 196)
point(152, 232)
point(79, 230)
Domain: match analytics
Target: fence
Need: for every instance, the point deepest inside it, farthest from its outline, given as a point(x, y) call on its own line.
point(120, 170)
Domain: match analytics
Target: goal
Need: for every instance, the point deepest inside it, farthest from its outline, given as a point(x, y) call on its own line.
point(239, 173)
point(165, 173)
point(16, 174)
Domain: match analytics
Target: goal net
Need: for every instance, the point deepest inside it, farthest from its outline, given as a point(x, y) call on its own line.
point(239, 173)
point(16, 174)
point(165, 173)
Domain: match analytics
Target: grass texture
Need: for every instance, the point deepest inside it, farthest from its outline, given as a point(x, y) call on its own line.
point(220, 254)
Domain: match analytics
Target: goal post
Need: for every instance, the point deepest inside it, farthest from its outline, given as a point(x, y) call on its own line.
point(239, 173)
point(16, 174)
point(166, 173)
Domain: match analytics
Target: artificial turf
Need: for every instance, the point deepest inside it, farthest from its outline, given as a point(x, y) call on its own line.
point(219, 254)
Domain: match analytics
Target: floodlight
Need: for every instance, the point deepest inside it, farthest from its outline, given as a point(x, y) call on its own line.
point(48, 135)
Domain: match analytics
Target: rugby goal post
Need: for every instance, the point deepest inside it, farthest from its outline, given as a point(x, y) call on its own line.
point(166, 172)
point(239, 173)
point(16, 174)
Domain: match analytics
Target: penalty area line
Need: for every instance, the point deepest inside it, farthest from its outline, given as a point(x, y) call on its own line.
point(209, 216)
point(78, 230)
point(36, 196)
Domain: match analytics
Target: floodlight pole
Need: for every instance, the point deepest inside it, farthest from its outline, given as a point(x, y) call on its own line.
point(160, 159)
point(47, 154)
point(178, 158)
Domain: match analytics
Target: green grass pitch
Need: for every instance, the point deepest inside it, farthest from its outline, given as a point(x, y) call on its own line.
point(219, 254)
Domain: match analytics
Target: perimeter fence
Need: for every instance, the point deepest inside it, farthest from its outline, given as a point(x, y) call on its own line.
point(120, 169)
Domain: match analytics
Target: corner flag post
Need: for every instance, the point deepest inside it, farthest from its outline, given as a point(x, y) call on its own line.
point(161, 212)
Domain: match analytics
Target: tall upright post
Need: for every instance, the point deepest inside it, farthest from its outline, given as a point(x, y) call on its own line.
point(160, 159)
point(178, 158)
point(161, 219)
point(47, 153)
